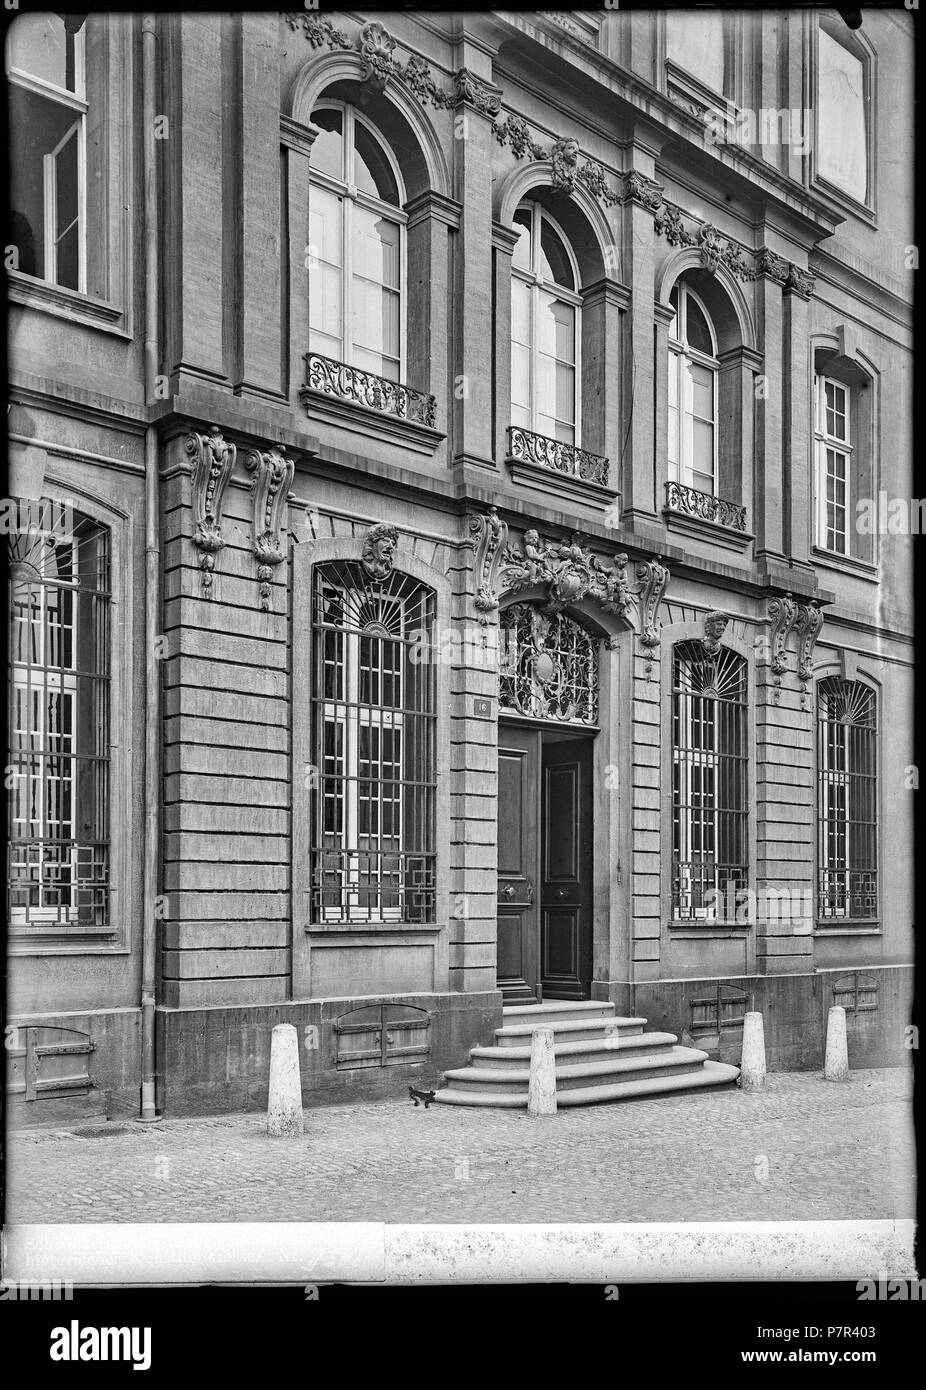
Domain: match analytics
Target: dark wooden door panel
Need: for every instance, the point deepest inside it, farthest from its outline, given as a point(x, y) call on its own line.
point(566, 870)
point(518, 862)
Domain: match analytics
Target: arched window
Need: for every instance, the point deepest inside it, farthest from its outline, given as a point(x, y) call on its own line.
point(847, 800)
point(693, 377)
point(550, 667)
point(709, 781)
point(357, 238)
point(546, 331)
point(59, 755)
point(374, 714)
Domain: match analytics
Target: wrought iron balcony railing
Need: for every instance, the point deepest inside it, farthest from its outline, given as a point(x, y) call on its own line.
point(688, 501)
point(557, 456)
point(333, 378)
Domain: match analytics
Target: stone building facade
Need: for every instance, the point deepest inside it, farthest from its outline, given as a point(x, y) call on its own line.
point(449, 435)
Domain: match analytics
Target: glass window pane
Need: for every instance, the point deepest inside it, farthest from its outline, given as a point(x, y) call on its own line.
point(554, 259)
point(520, 311)
point(565, 392)
point(372, 173)
point(556, 328)
point(521, 256)
point(328, 148)
point(376, 248)
point(697, 334)
point(66, 182)
point(702, 447)
point(67, 271)
point(673, 438)
point(38, 44)
point(702, 390)
point(841, 127)
point(673, 326)
point(695, 42)
point(37, 126)
point(521, 379)
point(326, 212)
point(375, 318)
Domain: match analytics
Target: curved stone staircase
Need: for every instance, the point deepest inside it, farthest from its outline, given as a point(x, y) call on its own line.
point(599, 1057)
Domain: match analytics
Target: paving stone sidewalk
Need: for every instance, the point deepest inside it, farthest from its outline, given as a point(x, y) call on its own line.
point(806, 1149)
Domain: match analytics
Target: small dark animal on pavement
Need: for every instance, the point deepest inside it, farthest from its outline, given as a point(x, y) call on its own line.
point(426, 1096)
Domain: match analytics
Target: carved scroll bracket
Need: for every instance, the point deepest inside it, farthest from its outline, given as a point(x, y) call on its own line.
point(782, 614)
point(273, 474)
point(807, 627)
point(212, 462)
point(654, 580)
point(488, 534)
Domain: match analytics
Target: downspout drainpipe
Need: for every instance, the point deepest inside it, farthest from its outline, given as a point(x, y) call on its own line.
point(152, 575)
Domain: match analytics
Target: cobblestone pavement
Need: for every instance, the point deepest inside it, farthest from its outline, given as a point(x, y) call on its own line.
point(806, 1149)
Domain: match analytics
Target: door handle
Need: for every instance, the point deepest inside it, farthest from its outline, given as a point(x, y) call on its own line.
point(561, 893)
point(508, 891)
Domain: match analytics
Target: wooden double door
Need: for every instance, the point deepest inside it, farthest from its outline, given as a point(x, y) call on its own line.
point(544, 864)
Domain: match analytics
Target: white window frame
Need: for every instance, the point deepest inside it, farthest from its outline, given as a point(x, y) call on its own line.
point(539, 285)
point(77, 101)
point(824, 444)
point(347, 713)
point(680, 350)
point(350, 196)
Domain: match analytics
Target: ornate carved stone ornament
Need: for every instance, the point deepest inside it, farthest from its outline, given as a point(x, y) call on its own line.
point(654, 580)
point(475, 92)
point(807, 629)
point(715, 624)
point(782, 614)
point(212, 463)
point(378, 554)
point(564, 155)
point(489, 535)
point(273, 474)
point(376, 51)
point(567, 571)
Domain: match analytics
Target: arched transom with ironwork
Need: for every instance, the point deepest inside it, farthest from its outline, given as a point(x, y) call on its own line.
point(549, 666)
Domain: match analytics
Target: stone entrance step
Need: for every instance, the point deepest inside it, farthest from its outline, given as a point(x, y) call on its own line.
point(598, 1055)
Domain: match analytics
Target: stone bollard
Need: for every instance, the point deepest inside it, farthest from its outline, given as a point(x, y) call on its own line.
point(541, 1089)
point(284, 1102)
point(836, 1061)
point(752, 1066)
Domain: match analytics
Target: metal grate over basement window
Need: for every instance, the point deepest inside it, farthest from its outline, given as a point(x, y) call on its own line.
point(59, 742)
point(374, 723)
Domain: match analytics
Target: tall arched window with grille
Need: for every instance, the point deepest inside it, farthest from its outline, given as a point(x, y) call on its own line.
point(847, 800)
point(59, 741)
point(693, 376)
point(374, 729)
point(709, 781)
point(357, 236)
point(546, 309)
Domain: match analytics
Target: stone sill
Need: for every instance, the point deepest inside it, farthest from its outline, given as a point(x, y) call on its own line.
point(369, 928)
point(64, 303)
point(711, 929)
point(559, 485)
point(65, 943)
point(866, 928)
point(360, 419)
point(845, 564)
point(707, 531)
